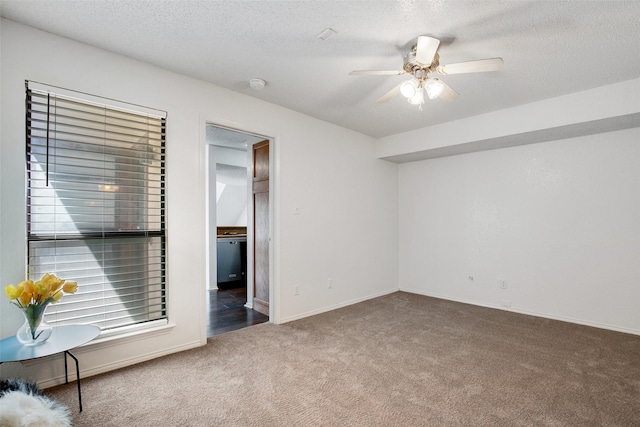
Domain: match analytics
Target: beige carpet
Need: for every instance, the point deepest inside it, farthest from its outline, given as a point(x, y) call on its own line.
point(398, 360)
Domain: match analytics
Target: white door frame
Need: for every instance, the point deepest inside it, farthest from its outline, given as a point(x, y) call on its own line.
point(211, 224)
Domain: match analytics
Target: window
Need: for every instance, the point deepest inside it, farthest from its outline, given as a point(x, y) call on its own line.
point(96, 206)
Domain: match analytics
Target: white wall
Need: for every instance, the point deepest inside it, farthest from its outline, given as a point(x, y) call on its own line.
point(347, 228)
point(231, 192)
point(347, 200)
point(228, 156)
point(559, 221)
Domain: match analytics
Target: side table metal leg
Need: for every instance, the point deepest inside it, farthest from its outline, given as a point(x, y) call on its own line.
point(66, 375)
point(77, 375)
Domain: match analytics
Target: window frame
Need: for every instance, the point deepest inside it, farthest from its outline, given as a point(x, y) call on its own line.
point(160, 234)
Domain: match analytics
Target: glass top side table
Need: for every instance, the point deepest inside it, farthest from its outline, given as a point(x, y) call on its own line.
point(62, 340)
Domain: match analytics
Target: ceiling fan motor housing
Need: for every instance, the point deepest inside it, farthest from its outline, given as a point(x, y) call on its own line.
point(418, 70)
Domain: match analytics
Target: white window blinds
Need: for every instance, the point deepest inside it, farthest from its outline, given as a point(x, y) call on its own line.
point(96, 208)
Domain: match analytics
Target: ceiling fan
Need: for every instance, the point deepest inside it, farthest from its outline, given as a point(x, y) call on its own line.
point(420, 62)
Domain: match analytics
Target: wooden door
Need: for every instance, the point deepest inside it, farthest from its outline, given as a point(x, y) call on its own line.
point(260, 190)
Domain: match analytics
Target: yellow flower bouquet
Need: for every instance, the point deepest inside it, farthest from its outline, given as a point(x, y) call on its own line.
point(33, 298)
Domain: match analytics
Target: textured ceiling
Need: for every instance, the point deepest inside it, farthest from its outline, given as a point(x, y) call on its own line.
point(550, 48)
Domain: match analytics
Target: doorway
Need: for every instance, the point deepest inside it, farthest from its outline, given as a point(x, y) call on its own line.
point(238, 244)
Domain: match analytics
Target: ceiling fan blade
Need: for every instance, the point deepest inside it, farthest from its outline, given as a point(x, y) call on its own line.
point(426, 49)
point(376, 72)
point(479, 66)
point(387, 96)
point(447, 94)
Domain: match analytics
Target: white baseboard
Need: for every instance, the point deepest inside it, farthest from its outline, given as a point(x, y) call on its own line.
point(336, 306)
point(527, 312)
point(107, 367)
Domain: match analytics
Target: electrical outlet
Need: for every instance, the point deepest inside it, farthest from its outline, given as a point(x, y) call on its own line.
point(330, 283)
point(505, 303)
point(502, 283)
point(296, 290)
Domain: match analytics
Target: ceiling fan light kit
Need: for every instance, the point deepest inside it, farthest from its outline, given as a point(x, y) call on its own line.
point(414, 90)
point(420, 62)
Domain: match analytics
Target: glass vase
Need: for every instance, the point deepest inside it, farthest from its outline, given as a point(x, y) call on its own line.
point(35, 330)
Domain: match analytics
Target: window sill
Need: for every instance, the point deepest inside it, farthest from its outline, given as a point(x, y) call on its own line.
point(109, 339)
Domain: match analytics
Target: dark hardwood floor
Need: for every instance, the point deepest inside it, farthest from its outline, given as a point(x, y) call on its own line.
point(227, 311)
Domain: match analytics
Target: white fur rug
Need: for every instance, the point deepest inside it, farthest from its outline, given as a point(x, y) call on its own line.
point(20, 409)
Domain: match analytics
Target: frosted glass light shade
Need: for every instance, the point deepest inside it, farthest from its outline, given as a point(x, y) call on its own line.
point(434, 88)
point(418, 98)
point(408, 88)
